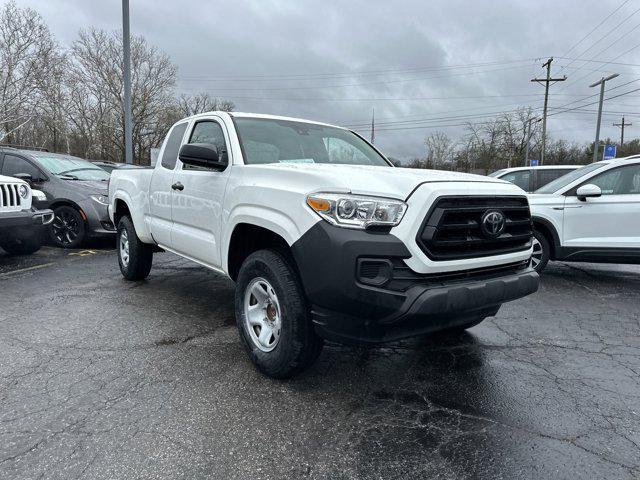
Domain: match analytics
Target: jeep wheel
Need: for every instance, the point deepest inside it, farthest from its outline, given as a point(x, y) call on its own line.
point(21, 247)
point(67, 230)
point(272, 316)
point(541, 252)
point(134, 257)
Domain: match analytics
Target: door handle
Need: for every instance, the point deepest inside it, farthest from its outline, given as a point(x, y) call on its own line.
point(177, 186)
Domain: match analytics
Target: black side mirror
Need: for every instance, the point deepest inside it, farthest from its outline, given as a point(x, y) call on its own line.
point(202, 155)
point(24, 176)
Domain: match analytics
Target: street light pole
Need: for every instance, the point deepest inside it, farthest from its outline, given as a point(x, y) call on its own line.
point(601, 82)
point(126, 47)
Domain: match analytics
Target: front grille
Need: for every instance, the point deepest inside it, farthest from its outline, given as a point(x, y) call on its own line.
point(9, 196)
point(453, 228)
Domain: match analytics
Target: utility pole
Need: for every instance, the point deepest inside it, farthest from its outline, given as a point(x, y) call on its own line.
point(373, 126)
point(526, 150)
point(622, 125)
point(601, 82)
point(547, 81)
point(126, 47)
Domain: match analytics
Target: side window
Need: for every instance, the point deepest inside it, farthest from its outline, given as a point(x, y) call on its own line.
point(210, 132)
point(618, 181)
point(546, 176)
point(520, 178)
point(170, 154)
point(14, 165)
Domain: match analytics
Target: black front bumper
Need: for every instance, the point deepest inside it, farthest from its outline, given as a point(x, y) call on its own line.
point(24, 223)
point(350, 309)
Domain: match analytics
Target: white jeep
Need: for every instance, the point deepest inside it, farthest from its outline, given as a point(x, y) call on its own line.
point(21, 226)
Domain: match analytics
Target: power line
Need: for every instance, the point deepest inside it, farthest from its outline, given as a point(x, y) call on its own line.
point(611, 30)
point(317, 87)
point(595, 28)
point(605, 63)
point(361, 73)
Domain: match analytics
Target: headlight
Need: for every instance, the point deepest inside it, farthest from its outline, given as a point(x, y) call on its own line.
point(355, 211)
point(23, 190)
point(101, 199)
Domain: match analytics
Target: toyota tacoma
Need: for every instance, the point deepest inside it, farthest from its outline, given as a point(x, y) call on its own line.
point(322, 235)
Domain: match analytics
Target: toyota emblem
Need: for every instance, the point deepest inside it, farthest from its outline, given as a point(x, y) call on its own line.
point(492, 223)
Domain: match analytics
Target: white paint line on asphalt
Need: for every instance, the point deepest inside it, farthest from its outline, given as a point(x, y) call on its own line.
point(22, 270)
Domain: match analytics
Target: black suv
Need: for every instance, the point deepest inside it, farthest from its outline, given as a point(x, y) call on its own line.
point(76, 191)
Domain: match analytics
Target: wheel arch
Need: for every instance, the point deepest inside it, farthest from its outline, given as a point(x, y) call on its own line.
point(121, 204)
point(545, 227)
point(247, 238)
point(65, 202)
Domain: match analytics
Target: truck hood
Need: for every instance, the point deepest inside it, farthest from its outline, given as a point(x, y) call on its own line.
point(361, 179)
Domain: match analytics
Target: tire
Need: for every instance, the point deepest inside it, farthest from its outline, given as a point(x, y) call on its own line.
point(68, 229)
point(134, 257)
point(541, 251)
point(22, 247)
point(268, 283)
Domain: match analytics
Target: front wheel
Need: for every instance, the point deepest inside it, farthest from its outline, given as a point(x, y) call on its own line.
point(541, 252)
point(22, 247)
point(272, 316)
point(67, 230)
point(134, 256)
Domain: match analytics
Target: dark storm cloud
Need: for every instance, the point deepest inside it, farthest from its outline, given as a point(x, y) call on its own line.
point(266, 45)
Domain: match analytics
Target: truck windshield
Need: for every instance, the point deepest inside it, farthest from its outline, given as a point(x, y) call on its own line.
point(72, 168)
point(267, 140)
point(565, 180)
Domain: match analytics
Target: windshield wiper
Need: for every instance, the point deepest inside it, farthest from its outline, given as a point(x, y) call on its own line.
point(66, 176)
point(77, 170)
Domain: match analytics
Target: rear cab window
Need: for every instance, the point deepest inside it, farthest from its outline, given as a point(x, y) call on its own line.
point(172, 148)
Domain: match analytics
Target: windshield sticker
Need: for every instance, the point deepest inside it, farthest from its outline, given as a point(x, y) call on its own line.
point(298, 160)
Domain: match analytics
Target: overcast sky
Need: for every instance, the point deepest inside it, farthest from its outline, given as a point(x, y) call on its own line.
point(432, 65)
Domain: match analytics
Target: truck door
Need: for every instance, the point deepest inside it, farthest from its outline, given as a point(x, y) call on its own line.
point(160, 188)
point(197, 206)
point(609, 221)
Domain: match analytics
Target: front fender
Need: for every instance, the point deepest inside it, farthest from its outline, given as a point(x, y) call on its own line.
point(274, 220)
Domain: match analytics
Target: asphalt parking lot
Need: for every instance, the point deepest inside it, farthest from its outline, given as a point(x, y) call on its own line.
point(105, 379)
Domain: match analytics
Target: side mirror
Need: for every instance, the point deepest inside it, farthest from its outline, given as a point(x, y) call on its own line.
point(24, 176)
point(588, 191)
point(201, 155)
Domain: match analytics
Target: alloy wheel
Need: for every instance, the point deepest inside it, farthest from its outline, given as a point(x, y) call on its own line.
point(536, 257)
point(65, 227)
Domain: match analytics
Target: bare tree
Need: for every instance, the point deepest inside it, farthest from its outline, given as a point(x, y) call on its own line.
point(201, 102)
point(97, 94)
point(27, 51)
point(439, 152)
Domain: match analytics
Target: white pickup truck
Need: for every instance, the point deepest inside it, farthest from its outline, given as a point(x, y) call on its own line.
point(323, 236)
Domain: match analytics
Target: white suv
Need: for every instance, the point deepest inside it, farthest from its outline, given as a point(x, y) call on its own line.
point(589, 215)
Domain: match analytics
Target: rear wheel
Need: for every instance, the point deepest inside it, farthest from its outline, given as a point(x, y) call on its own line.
point(541, 252)
point(68, 229)
point(272, 316)
point(21, 247)
point(134, 257)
